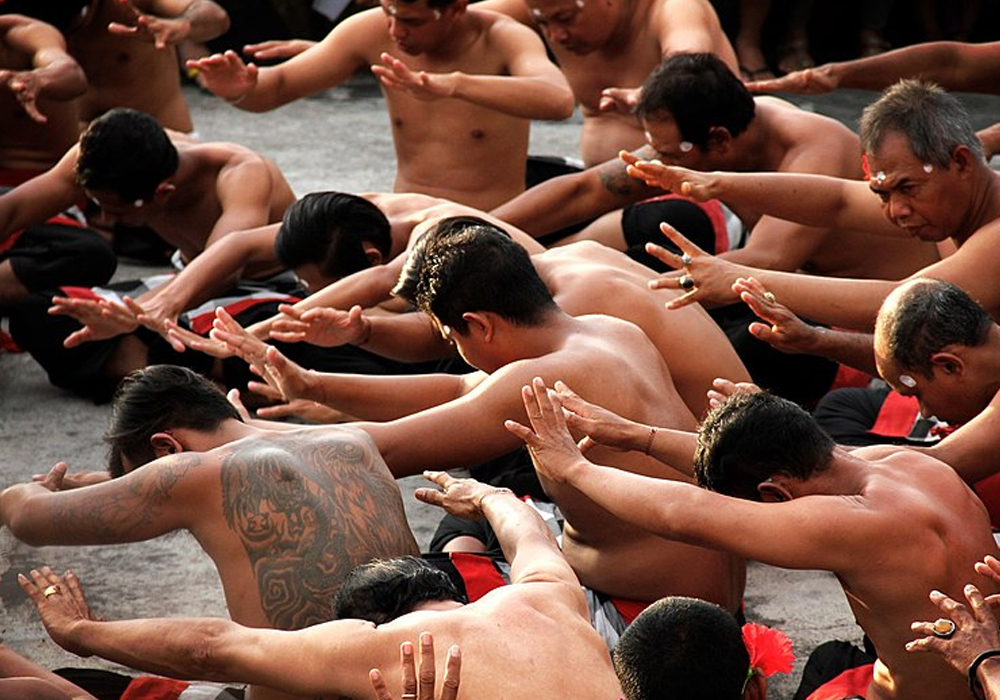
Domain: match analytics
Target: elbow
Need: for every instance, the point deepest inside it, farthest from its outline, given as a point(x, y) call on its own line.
point(208, 656)
point(562, 107)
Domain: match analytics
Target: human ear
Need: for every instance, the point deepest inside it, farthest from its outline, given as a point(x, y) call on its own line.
point(719, 138)
point(373, 254)
point(480, 323)
point(164, 443)
point(773, 492)
point(948, 362)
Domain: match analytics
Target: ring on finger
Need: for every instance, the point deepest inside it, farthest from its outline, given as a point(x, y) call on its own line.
point(770, 297)
point(686, 259)
point(52, 590)
point(686, 282)
point(943, 628)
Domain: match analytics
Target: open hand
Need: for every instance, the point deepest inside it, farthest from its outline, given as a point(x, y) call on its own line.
point(60, 602)
point(599, 425)
point(396, 75)
point(101, 319)
point(553, 450)
point(323, 326)
point(161, 31)
point(782, 329)
point(419, 682)
point(225, 75)
point(707, 278)
point(460, 497)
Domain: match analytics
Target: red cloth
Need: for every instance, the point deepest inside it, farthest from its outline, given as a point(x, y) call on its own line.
point(852, 682)
point(478, 573)
point(154, 688)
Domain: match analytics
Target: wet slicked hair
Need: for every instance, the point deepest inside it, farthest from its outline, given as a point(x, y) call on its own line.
point(753, 436)
point(934, 121)
point(699, 92)
point(924, 316)
point(127, 152)
point(158, 398)
point(328, 230)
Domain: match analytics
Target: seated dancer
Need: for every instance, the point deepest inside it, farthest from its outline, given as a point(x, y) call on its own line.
point(534, 634)
point(284, 515)
point(135, 172)
point(777, 490)
point(484, 295)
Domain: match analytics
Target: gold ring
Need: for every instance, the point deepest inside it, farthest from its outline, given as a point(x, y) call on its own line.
point(943, 628)
point(52, 590)
point(770, 297)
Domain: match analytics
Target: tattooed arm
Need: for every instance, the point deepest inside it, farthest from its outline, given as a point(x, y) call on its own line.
point(576, 198)
point(151, 500)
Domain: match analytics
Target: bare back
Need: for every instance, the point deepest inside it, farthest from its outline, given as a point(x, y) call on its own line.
point(616, 366)
point(589, 278)
point(125, 72)
point(946, 530)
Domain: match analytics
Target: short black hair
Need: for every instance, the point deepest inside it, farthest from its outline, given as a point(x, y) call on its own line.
point(699, 92)
point(157, 398)
point(925, 315)
point(127, 152)
point(328, 229)
point(753, 436)
point(61, 14)
point(465, 264)
point(384, 589)
point(682, 648)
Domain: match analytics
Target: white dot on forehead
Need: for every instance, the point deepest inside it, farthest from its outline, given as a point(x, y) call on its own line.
point(907, 381)
point(879, 177)
point(686, 146)
point(928, 167)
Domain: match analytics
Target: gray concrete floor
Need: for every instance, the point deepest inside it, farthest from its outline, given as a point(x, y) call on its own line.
point(339, 140)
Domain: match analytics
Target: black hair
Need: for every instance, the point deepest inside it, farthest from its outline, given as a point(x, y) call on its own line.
point(923, 316)
point(157, 398)
point(465, 264)
point(127, 152)
point(384, 589)
point(682, 648)
point(699, 92)
point(328, 229)
point(61, 14)
point(752, 436)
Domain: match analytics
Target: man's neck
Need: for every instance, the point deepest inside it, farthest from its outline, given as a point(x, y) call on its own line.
point(984, 206)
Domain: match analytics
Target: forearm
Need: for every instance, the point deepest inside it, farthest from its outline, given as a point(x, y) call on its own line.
point(517, 96)
point(849, 348)
point(409, 337)
point(207, 20)
point(382, 398)
point(17, 516)
point(59, 76)
point(938, 61)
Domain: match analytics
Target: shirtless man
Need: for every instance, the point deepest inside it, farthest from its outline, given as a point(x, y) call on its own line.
point(527, 640)
point(511, 337)
point(285, 516)
point(39, 82)
point(891, 524)
point(607, 49)
point(471, 82)
point(136, 173)
point(953, 65)
point(929, 181)
point(696, 113)
point(128, 50)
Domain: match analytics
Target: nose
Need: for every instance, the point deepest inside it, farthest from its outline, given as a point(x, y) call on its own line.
point(396, 29)
point(557, 34)
point(899, 207)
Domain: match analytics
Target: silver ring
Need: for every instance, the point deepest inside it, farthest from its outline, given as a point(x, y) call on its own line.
point(770, 297)
point(943, 628)
point(686, 282)
point(686, 259)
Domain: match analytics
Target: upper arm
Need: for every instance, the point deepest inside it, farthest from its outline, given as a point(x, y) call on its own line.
point(244, 190)
point(687, 27)
point(150, 501)
point(776, 244)
point(973, 267)
point(344, 51)
point(525, 53)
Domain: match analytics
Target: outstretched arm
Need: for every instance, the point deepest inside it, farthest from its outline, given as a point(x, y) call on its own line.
point(578, 197)
point(954, 65)
point(526, 540)
point(54, 74)
point(784, 534)
point(211, 649)
point(169, 22)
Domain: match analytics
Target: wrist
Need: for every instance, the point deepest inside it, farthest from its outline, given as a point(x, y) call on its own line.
point(239, 98)
point(974, 671)
point(499, 491)
point(366, 332)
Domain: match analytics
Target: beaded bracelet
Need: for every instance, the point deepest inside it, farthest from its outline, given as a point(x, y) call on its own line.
point(974, 684)
point(649, 440)
point(491, 492)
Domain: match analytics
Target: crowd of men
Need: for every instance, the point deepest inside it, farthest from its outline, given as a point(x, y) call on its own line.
point(736, 331)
